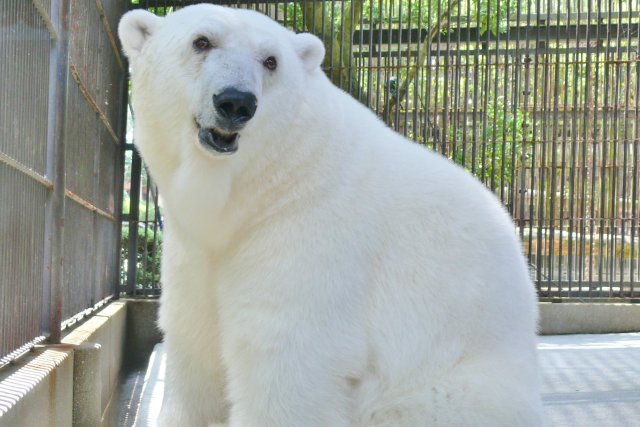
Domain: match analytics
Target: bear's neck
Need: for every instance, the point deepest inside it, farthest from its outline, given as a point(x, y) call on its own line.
point(300, 165)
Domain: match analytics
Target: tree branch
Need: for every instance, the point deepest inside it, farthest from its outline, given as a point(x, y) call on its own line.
point(443, 20)
point(339, 45)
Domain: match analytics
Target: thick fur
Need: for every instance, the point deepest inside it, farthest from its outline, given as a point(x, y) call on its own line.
point(329, 273)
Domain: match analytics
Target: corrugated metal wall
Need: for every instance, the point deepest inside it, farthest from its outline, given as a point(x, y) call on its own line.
point(62, 123)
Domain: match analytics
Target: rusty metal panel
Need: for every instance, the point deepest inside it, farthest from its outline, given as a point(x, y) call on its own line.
point(107, 265)
point(107, 172)
point(79, 260)
point(110, 84)
point(81, 143)
point(22, 218)
point(58, 165)
point(85, 47)
point(24, 83)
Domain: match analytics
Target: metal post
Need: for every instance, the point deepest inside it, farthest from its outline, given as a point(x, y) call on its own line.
point(134, 204)
point(54, 242)
point(119, 186)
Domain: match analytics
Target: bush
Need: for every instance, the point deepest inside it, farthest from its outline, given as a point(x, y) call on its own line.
point(148, 255)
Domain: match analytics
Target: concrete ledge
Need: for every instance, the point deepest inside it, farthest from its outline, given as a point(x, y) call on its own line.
point(142, 330)
point(38, 390)
point(588, 318)
point(106, 328)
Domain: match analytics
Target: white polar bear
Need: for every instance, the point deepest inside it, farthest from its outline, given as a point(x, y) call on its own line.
point(319, 269)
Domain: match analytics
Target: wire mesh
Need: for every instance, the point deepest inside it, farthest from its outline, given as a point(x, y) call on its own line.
point(538, 99)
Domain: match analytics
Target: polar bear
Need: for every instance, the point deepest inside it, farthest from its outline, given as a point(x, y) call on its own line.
point(319, 269)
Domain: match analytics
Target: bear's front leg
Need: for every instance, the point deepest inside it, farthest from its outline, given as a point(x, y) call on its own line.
point(286, 387)
point(194, 387)
point(194, 391)
point(284, 370)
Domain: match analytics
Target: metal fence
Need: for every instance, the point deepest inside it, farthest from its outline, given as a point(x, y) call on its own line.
point(539, 99)
point(62, 91)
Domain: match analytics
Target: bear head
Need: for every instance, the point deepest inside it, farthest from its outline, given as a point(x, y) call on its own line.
point(213, 76)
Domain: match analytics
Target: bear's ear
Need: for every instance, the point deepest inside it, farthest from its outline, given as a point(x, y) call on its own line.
point(134, 29)
point(310, 49)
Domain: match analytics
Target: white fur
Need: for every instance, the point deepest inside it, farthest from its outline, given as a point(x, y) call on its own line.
point(329, 273)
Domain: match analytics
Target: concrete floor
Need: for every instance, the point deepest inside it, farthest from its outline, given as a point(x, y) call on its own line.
point(588, 381)
point(591, 380)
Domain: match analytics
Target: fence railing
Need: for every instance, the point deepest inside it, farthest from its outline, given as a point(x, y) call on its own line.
point(539, 99)
point(63, 89)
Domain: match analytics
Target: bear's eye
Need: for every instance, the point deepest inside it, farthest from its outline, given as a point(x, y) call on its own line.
point(201, 43)
point(270, 63)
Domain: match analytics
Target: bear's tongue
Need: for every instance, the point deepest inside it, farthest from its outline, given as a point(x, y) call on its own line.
point(225, 143)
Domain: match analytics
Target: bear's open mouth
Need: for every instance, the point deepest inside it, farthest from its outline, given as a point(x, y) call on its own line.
point(221, 142)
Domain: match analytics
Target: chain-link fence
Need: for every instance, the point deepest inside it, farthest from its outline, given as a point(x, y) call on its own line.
point(63, 87)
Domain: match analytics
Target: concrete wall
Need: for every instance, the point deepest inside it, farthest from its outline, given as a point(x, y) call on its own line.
point(39, 389)
point(142, 331)
point(588, 318)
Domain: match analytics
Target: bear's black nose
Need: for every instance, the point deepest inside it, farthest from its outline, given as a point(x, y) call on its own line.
point(236, 106)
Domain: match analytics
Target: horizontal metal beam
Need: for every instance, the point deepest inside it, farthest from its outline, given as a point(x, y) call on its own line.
point(46, 18)
point(92, 102)
point(88, 205)
point(525, 34)
point(110, 36)
point(25, 170)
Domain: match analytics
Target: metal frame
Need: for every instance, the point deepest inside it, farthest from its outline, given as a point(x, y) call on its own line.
point(566, 73)
point(63, 75)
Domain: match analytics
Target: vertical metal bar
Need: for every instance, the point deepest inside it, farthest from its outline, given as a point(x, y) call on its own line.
point(584, 255)
point(594, 163)
point(556, 87)
point(505, 91)
point(145, 242)
point(341, 37)
point(485, 95)
point(426, 79)
point(543, 109)
point(520, 191)
point(389, 70)
point(370, 60)
point(54, 251)
point(625, 156)
point(613, 188)
point(476, 70)
point(636, 146)
point(465, 104)
point(604, 241)
point(444, 129)
point(134, 214)
point(494, 136)
point(457, 80)
point(407, 67)
point(573, 214)
point(120, 170)
point(379, 76)
point(563, 159)
point(533, 141)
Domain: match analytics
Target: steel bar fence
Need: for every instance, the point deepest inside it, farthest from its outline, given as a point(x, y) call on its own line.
point(539, 99)
point(62, 94)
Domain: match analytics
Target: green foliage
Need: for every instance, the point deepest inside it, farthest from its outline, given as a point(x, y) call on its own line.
point(494, 152)
point(142, 209)
point(148, 255)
